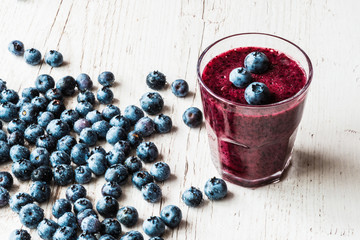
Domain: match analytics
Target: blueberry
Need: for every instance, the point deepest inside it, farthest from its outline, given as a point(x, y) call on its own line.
point(94, 116)
point(156, 238)
point(8, 112)
point(111, 227)
point(70, 116)
point(88, 136)
point(30, 93)
point(163, 123)
point(86, 236)
point(81, 204)
point(133, 164)
point(47, 228)
point(97, 149)
point(9, 95)
point(53, 94)
point(115, 157)
point(58, 128)
point(133, 113)
point(45, 118)
point(63, 174)
point(31, 215)
point(32, 56)
point(147, 151)
point(141, 178)
point(123, 146)
point(4, 197)
point(3, 136)
point(215, 189)
point(111, 189)
point(156, 80)
point(256, 62)
point(66, 144)
point(132, 235)
point(90, 224)
point(40, 191)
point(65, 233)
point(59, 158)
point(6, 180)
point(32, 132)
point(115, 134)
point(15, 138)
point(19, 200)
point(4, 152)
point(192, 117)
point(145, 126)
point(180, 88)
point(22, 101)
point(46, 141)
point(74, 192)
point(18, 152)
point(82, 174)
point(68, 219)
point(151, 192)
point(16, 47)
point(171, 215)
point(121, 121)
point(106, 79)
point(107, 206)
point(152, 103)
point(84, 108)
point(86, 96)
point(116, 173)
point(110, 111)
point(20, 234)
point(107, 237)
point(43, 174)
point(127, 216)
point(160, 171)
point(257, 94)
point(153, 226)
point(44, 82)
point(101, 128)
point(192, 197)
point(81, 124)
point(97, 164)
point(56, 107)
point(40, 157)
point(84, 214)
point(54, 58)
point(40, 103)
point(22, 169)
point(79, 153)
point(105, 95)
point(240, 77)
point(84, 82)
point(134, 138)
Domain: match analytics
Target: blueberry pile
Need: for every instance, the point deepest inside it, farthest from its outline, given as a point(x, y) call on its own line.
point(256, 93)
point(39, 120)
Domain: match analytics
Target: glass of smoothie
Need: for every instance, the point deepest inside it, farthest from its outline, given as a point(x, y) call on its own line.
point(251, 145)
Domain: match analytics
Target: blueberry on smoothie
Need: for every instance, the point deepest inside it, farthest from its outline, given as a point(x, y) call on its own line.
point(156, 80)
point(257, 94)
point(256, 62)
point(192, 117)
point(240, 77)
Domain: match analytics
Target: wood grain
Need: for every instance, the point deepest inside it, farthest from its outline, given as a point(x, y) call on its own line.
point(318, 199)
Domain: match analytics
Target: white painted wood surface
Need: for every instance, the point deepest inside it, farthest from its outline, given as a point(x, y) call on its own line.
point(318, 199)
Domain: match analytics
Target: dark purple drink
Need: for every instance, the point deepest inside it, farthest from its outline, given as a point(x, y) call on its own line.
point(251, 145)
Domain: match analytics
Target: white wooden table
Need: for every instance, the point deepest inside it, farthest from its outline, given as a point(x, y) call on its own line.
point(318, 199)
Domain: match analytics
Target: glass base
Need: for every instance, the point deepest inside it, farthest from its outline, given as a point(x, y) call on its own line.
point(275, 178)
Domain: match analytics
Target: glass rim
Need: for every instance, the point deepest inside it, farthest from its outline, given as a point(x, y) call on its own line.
point(303, 90)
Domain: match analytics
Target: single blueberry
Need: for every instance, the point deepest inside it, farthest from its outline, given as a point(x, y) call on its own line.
point(97, 149)
point(156, 80)
point(31, 215)
point(44, 82)
point(54, 58)
point(4, 151)
point(6, 180)
point(133, 164)
point(40, 157)
point(3, 137)
point(15, 138)
point(97, 164)
point(4, 197)
point(82, 174)
point(91, 224)
point(111, 227)
point(117, 173)
point(110, 111)
point(19, 200)
point(58, 128)
point(81, 204)
point(84, 214)
point(145, 126)
point(40, 103)
point(192, 117)
point(65, 233)
point(84, 108)
point(153, 226)
point(132, 235)
point(88, 136)
point(30, 93)
point(68, 219)
point(18, 152)
point(107, 206)
point(84, 82)
point(101, 128)
point(47, 228)
point(256, 62)
point(105, 95)
point(16, 47)
point(160, 171)
point(45, 118)
point(60, 207)
point(133, 113)
point(147, 152)
point(9, 95)
point(20, 234)
point(40, 191)
point(66, 144)
point(22, 169)
point(141, 178)
point(115, 134)
point(74, 192)
point(32, 132)
point(134, 138)
point(180, 88)
point(54, 94)
point(128, 216)
point(86, 96)
point(81, 124)
point(8, 111)
point(152, 103)
point(215, 188)
point(163, 123)
point(115, 157)
point(106, 79)
point(59, 158)
point(240, 77)
point(121, 121)
point(151, 192)
point(94, 116)
point(56, 107)
point(66, 85)
point(257, 94)
point(46, 141)
point(192, 197)
point(111, 189)
point(123, 146)
point(70, 116)
point(171, 215)
point(43, 174)
point(63, 175)
point(32, 56)
point(79, 154)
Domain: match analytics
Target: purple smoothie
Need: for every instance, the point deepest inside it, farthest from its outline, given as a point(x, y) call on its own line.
point(251, 145)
